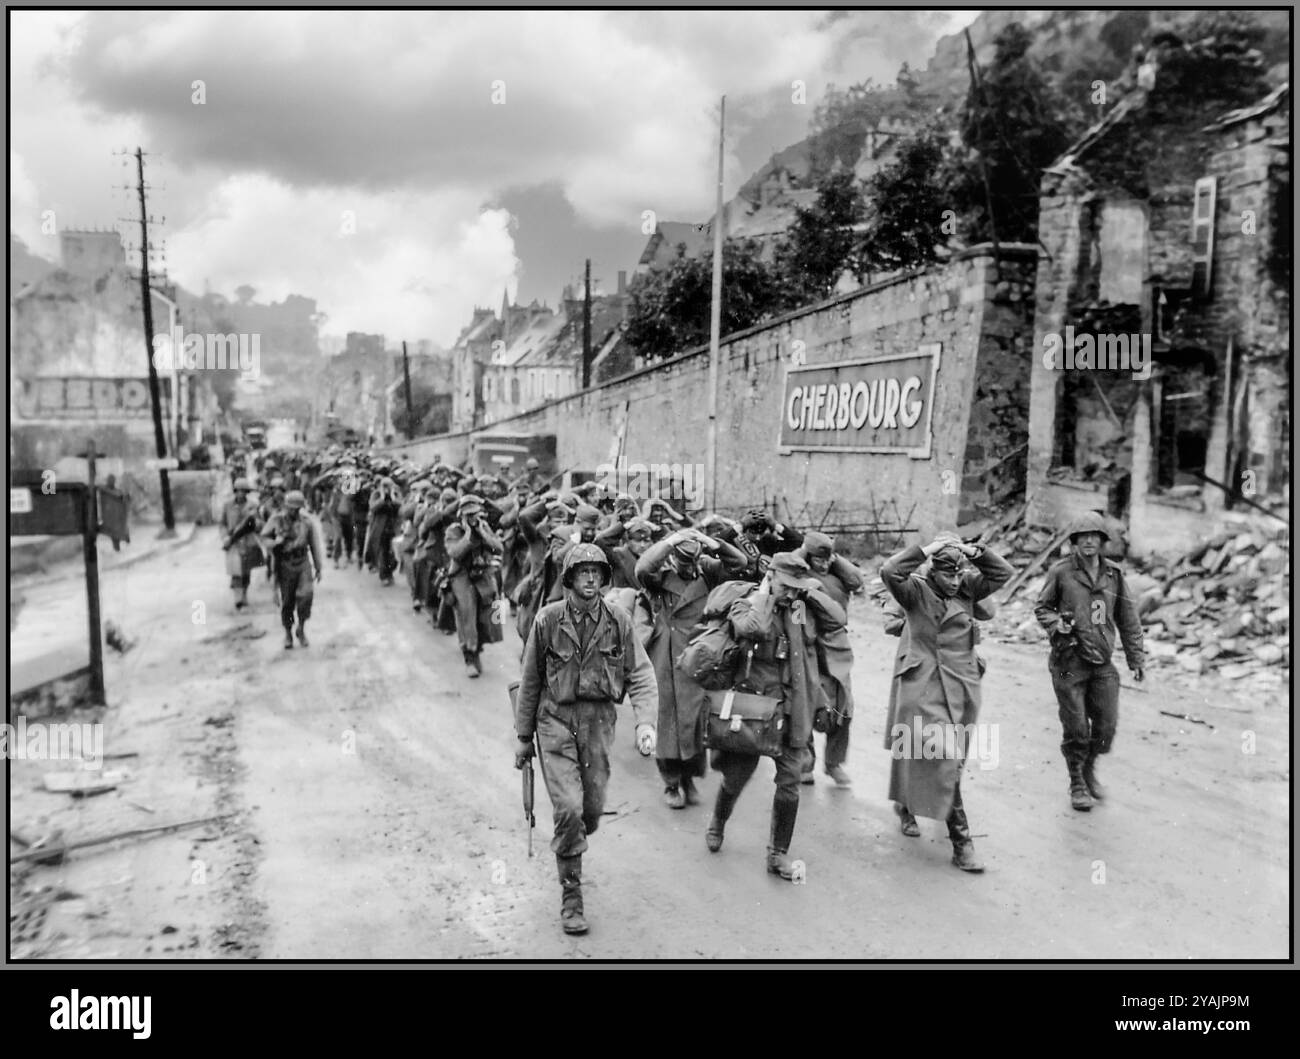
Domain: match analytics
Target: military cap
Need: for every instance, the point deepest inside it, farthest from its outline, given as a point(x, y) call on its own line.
point(818, 545)
point(947, 559)
point(789, 570)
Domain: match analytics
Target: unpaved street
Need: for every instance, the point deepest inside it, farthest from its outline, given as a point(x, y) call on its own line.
point(378, 811)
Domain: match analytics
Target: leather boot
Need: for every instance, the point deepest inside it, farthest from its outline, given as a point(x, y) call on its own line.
point(784, 813)
point(288, 637)
point(570, 869)
point(302, 634)
point(721, 813)
point(1079, 797)
point(963, 848)
point(1090, 776)
point(907, 822)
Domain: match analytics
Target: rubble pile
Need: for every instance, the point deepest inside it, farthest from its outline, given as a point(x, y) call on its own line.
point(1226, 605)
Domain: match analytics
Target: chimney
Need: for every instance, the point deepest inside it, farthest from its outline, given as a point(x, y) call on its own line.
point(622, 281)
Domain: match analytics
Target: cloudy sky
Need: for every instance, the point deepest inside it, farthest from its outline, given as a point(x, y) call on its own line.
point(359, 157)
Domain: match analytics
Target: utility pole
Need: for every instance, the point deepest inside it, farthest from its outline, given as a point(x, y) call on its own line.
point(715, 318)
point(410, 408)
point(90, 553)
point(977, 86)
point(160, 441)
point(586, 331)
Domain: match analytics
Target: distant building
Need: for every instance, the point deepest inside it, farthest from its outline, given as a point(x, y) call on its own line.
point(543, 360)
point(79, 364)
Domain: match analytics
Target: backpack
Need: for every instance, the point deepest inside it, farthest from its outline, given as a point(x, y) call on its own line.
point(712, 656)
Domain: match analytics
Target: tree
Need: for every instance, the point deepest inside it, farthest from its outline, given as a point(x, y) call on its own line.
point(1212, 59)
point(670, 307)
point(909, 209)
point(1013, 126)
point(821, 244)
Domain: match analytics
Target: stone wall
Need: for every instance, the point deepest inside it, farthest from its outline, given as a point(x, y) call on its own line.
point(978, 314)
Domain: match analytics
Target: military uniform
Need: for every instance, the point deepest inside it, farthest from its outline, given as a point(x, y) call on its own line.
point(291, 541)
point(239, 519)
point(936, 684)
point(475, 558)
point(835, 657)
point(677, 603)
point(581, 658)
point(784, 666)
point(1084, 678)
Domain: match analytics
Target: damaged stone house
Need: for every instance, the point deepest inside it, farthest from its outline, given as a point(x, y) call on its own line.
point(1161, 380)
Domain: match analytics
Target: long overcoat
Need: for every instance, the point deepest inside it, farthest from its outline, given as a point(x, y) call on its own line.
point(936, 678)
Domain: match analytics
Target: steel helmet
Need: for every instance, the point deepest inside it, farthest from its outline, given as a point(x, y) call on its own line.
point(1089, 522)
point(585, 553)
point(242, 485)
point(294, 498)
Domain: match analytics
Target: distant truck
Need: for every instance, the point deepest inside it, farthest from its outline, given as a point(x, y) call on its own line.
point(506, 454)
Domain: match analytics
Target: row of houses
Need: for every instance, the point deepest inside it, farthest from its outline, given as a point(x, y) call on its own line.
point(510, 361)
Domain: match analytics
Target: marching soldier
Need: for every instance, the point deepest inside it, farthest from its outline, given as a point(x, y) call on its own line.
point(840, 578)
point(677, 578)
point(1083, 601)
point(581, 657)
point(475, 554)
point(937, 677)
point(292, 536)
point(783, 619)
point(243, 553)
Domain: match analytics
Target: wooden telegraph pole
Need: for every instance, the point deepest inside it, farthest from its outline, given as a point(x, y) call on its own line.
point(90, 551)
point(160, 440)
point(715, 319)
point(586, 331)
point(410, 408)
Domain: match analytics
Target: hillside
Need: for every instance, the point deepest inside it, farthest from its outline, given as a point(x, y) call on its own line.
point(1074, 47)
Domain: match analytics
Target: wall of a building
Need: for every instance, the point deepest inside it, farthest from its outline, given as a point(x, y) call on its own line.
point(1242, 327)
point(978, 316)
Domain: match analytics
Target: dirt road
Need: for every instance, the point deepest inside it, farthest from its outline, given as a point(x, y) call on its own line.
point(379, 814)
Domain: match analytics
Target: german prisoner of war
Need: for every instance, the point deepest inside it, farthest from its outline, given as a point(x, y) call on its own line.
point(936, 685)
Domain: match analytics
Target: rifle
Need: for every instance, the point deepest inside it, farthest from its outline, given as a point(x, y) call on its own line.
point(528, 789)
point(528, 803)
point(244, 527)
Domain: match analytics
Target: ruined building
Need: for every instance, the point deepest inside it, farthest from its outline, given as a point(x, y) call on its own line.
point(1161, 378)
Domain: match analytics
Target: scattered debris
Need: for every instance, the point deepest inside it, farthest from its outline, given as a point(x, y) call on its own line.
point(116, 638)
point(62, 848)
point(83, 783)
point(1188, 717)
